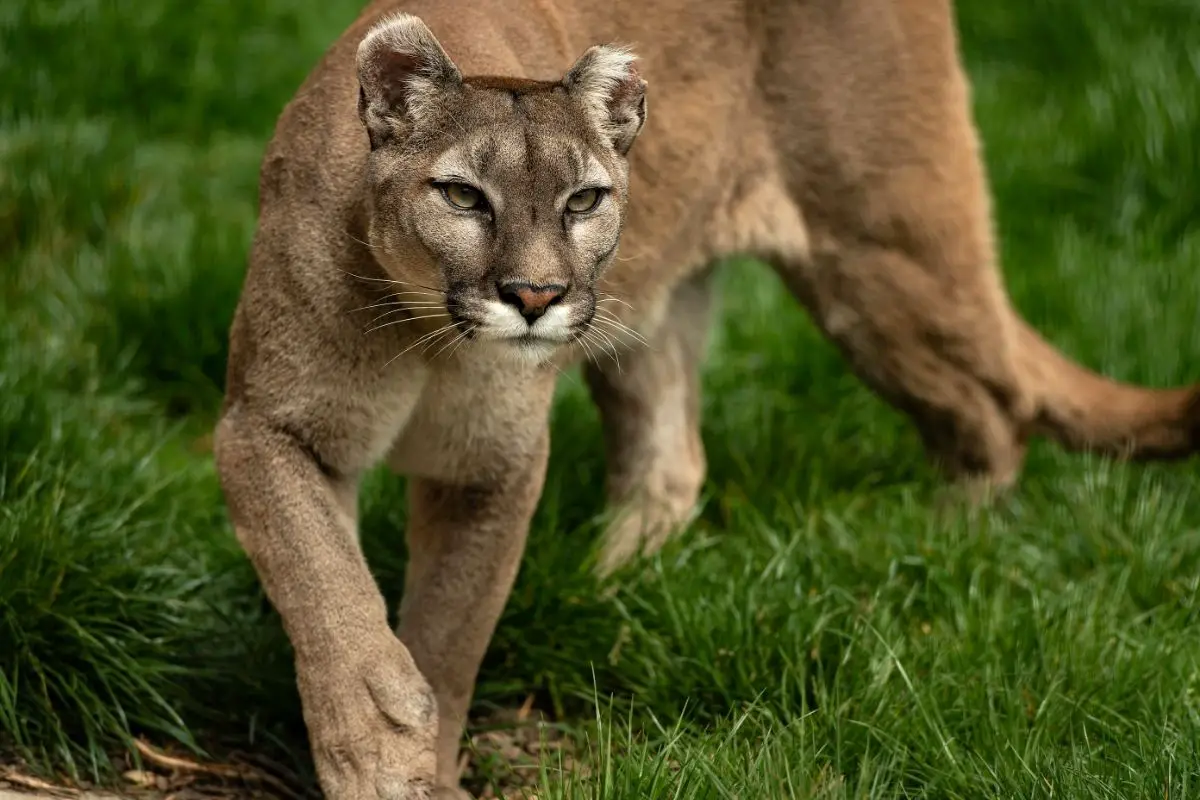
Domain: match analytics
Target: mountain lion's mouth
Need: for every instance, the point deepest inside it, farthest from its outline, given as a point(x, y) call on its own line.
point(528, 337)
point(531, 339)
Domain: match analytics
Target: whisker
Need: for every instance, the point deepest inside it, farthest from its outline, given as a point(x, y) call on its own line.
point(615, 336)
point(444, 332)
point(403, 306)
point(424, 338)
point(417, 306)
point(368, 278)
point(386, 314)
point(611, 320)
point(561, 372)
point(400, 321)
point(397, 301)
point(613, 340)
point(420, 286)
point(588, 338)
point(409, 308)
point(605, 342)
point(603, 316)
point(608, 341)
point(461, 342)
point(620, 328)
point(391, 281)
point(448, 344)
point(354, 238)
point(610, 315)
point(584, 344)
point(608, 298)
point(412, 306)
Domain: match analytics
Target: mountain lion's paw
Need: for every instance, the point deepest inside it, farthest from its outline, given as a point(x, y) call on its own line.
point(373, 730)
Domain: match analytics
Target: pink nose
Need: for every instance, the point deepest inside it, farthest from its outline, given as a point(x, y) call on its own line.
point(532, 301)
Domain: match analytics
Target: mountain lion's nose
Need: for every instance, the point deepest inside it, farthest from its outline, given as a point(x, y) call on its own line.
point(532, 301)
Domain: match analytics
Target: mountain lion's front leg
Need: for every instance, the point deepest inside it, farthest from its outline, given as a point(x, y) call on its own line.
point(650, 408)
point(475, 453)
point(465, 545)
point(371, 717)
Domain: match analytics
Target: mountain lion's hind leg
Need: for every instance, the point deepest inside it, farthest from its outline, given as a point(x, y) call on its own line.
point(935, 349)
point(650, 409)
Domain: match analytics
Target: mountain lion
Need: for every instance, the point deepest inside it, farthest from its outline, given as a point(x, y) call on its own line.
point(438, 237)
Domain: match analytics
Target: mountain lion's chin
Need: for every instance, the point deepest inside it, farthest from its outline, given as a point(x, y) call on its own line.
point(525, 350)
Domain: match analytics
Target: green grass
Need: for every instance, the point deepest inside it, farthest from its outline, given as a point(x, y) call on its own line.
point(815, 634)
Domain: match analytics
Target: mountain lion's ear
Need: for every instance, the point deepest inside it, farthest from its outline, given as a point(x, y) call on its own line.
point(401, 71)
point(606, 82)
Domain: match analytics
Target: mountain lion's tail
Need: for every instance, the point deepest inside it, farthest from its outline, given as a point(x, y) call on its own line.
point(1082, 410)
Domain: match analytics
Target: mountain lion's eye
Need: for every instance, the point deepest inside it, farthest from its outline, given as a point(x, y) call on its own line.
point(583, 200)
point(460, 195)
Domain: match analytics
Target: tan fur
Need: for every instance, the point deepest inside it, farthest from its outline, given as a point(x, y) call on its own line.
point(831, 138)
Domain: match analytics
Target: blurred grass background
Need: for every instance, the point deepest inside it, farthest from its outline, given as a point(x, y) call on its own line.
point(816, 633)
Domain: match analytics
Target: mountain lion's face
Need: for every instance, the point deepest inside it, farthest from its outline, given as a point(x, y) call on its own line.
point(498, 201)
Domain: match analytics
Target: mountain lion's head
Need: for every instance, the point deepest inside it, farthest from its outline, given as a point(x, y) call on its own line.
point(495, 201)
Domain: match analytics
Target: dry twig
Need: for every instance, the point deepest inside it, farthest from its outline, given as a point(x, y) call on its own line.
point(243, 773)
point(36, 784)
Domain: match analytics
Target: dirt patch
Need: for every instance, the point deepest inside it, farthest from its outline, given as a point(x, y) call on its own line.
point(163, 775)
point(504, 758)
point(509, 750)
